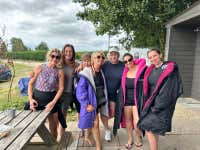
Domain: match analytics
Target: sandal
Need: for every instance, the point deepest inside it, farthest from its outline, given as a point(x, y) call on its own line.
point(139, 142)
point(128, 146)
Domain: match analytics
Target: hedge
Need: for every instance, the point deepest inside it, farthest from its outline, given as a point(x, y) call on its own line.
point(28, 55)
point(37, 55)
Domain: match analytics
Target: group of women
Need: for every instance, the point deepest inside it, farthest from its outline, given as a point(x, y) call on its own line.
point(138, 96)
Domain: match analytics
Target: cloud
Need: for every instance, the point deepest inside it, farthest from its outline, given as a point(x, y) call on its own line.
point(52, 21)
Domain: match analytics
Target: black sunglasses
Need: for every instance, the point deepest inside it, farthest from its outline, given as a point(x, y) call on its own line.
point(55, 56)
point(98, 57)
point(129, 60)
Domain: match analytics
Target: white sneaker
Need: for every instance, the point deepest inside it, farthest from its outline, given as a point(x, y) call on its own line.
point(108, 135)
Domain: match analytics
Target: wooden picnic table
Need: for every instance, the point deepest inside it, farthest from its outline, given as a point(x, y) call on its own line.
point(24, 125)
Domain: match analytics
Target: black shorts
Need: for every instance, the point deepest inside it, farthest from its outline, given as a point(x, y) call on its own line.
point(112, 97)
point(42, 98)
point(129, 103)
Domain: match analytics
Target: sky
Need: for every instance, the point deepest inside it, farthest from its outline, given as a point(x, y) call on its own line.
point(51, 21)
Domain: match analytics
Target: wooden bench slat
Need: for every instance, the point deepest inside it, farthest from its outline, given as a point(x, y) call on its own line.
point(1, 112)
point(15, 132)
point(7, 119)
point(27, 134)
point(19, 118)
point(2, 115)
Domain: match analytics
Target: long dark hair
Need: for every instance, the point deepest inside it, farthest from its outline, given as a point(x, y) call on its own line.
point(128, 54)
point(72, 61)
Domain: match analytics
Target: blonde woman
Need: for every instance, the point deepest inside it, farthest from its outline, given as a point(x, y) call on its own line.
point(45, 88)
point(92, 94)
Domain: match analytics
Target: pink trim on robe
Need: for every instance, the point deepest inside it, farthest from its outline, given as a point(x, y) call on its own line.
point(141, 65)
point(169, 68)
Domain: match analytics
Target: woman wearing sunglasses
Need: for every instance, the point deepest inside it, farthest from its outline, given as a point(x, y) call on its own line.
point(130, 97)
point(45, 88)
point(162, 87)
point(92, 94)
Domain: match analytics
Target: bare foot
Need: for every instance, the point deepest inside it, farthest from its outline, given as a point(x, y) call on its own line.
point(89, 141)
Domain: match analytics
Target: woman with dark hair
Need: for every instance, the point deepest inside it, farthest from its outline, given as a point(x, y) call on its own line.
point(68, 66)
point(45, 88)
point(130, 97)
point(162, 86)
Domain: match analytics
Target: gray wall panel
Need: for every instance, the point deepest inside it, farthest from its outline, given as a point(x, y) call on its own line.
point(182, 49)
point(196, 74)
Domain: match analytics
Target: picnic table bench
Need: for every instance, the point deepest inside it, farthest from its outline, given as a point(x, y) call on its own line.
point(24, 125)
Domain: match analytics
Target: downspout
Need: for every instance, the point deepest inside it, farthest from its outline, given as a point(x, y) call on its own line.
point(167, 43)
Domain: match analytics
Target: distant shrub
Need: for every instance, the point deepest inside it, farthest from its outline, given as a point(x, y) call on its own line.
point(39, 55)
point(28, 55)
point(79, 54)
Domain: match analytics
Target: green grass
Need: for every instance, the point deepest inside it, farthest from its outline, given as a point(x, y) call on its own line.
point(17, 101)
point(72, 115)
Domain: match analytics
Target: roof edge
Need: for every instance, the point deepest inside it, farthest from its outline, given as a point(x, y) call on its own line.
point(181, 13)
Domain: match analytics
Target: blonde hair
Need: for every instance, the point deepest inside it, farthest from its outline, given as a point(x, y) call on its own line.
point(95, 54)
point(48, 55)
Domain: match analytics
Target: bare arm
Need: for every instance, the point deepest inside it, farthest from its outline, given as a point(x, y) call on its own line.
point(51, 104)
point(35, 72)
point(79, 68)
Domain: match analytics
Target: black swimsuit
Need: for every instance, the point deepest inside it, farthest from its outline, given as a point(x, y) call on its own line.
point(129, 92)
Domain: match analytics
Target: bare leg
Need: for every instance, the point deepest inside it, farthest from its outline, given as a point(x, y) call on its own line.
point(129, 123)
point(82, 130)
point(153, 140)
point(53, 122)
point(138, 132)
point(96, 133)
point(112, 109)
point(87, 136)
point(104, 120)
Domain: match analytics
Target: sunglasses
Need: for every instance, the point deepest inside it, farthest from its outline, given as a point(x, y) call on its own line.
point(99, 57)
point(55, 56)
point(129, 60)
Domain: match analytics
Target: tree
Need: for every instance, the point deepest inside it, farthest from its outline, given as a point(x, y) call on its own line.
point(42, 46)
point(3, 47)
point(17, 44)
point(142, 21)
